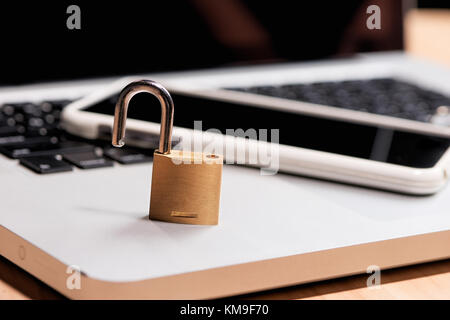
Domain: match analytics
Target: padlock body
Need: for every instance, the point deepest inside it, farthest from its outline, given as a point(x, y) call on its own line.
point(186, 187)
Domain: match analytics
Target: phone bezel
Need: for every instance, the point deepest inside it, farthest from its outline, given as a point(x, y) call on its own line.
point(325, 165)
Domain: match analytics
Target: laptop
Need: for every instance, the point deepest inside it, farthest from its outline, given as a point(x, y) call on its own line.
point(84, 230)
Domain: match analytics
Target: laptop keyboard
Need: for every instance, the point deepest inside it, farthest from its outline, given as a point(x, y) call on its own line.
point(388, 97)
point(31, 133)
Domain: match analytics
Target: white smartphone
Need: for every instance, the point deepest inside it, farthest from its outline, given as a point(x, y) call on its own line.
point(334, 149)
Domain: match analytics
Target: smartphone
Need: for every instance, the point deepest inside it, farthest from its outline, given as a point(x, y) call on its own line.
point(292, 142)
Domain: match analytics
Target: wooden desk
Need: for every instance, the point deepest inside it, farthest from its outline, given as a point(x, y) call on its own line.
point(425, 281)
point(426, 35)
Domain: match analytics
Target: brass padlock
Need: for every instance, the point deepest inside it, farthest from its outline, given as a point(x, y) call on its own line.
point(185, 184)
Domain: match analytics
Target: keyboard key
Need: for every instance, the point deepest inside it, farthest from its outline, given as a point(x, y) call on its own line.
point(31, 110)
point(8, 110)
point(21, 151)
point(19, 117)
point(7, 131)
point(88, 160)
point(14, 139)
point(46, 164)
point(23, 140)
point(44, 131)
point(46, 107)
point(127, 155)
point(36, 122)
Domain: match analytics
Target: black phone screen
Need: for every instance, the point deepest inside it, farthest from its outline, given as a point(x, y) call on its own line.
point(295, 129)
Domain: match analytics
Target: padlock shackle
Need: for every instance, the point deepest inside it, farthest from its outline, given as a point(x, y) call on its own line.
point(167, 110)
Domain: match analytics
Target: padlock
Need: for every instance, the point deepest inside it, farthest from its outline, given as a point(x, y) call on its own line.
point(185, 185)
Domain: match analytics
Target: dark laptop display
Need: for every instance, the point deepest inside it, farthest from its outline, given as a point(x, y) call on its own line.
point(152, 36)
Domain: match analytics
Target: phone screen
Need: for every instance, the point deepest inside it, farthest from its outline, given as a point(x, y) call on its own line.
point(295, 129)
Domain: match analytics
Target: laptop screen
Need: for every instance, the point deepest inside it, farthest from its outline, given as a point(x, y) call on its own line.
point(56, 40)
